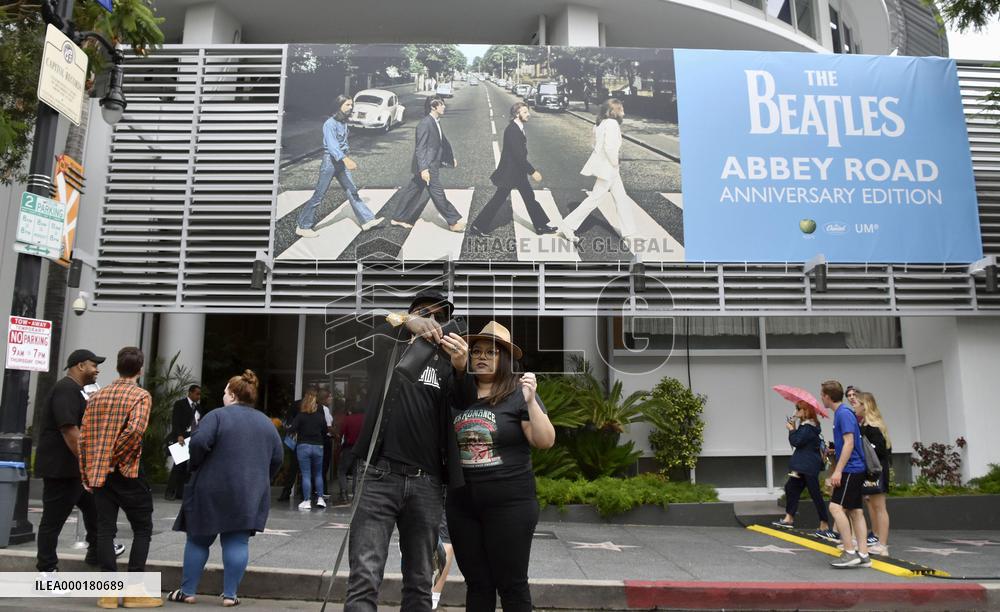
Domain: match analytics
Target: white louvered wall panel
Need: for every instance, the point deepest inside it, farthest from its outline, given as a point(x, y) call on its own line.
point(193, 172)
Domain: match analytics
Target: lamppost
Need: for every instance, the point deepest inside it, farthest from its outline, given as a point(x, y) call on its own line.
point(16, 445)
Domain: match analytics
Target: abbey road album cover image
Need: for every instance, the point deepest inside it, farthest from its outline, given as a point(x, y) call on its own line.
point(357, 133)
point(563, 154)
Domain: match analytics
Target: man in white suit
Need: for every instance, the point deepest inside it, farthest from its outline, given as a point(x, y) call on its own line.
point(603, 164)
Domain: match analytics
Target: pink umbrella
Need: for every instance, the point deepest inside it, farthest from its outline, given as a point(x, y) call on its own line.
point(797, 394)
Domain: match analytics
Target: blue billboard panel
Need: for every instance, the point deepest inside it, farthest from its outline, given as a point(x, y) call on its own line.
point(790, 155)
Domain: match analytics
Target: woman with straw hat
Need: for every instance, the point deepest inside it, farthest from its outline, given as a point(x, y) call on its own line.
point(492, 518)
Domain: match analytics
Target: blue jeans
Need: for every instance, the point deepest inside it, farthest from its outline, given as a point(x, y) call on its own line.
point(329, 170)
point(411, 503)
point(235, 554)
point(311, 465)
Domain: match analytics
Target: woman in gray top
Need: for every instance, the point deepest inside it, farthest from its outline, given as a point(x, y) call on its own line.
point(234, 455)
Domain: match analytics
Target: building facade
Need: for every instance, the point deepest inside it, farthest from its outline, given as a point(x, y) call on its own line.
point(180, 198)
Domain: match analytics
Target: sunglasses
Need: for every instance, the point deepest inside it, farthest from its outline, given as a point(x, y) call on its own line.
point(441, 316)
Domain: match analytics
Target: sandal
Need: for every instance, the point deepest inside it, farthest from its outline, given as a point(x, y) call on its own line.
point(229, 602)
point(180, 596)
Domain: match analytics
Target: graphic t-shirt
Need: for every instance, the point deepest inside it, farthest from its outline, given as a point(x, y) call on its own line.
point(491, 442)
point(844, 422)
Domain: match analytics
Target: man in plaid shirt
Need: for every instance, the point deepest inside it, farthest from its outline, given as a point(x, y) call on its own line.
point(110, 449)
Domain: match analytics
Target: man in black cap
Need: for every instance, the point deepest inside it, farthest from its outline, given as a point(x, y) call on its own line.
point(56, 460)
point(411, 458)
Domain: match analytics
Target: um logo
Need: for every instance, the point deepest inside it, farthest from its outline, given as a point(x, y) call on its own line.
point(866, 228)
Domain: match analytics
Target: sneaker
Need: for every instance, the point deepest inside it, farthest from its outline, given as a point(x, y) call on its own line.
point(402, 224)
point(782, 524)
point(458, 226)
point(827, 534)
point(119, 549)
point(847, 560)
point(871, 539)
point(306, 505)
point(373, 223)
point(866, 561)
point(306, 232)
point(320, 502)
point(853, 541)
point(878, 549)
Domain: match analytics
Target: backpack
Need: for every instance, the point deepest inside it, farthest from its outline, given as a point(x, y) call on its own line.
point(873, 467)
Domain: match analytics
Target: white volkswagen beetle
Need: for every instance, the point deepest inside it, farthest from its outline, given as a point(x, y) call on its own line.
point(376, 109)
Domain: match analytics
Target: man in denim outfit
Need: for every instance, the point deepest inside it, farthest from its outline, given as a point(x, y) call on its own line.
point(336, 164)
point(413, 456)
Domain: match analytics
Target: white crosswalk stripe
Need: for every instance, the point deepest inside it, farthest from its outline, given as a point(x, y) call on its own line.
point(290, 200)
point(654, 242)
point(336, 231)
point(674, 198)
point(430, 237)
point(531, 246)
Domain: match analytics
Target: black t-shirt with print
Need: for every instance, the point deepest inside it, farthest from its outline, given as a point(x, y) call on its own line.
point(65, 407)
point(491, 442)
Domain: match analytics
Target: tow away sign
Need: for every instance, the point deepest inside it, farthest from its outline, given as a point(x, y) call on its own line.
point(28, 342)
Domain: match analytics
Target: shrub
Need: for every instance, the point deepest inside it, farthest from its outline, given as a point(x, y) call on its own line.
point(940, 464)
point(167, 384)
point(990, 483)
point(613, 496)
point(675, 413)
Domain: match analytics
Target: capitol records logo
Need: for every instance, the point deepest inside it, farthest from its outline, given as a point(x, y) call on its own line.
point(835, 228)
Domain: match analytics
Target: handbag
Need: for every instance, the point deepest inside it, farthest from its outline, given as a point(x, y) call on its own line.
point(290, 442)
point(873, 467)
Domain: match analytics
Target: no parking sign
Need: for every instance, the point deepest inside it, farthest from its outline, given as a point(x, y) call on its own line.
point(28, 342)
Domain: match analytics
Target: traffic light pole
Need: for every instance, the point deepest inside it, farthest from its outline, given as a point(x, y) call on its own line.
point(14, 444)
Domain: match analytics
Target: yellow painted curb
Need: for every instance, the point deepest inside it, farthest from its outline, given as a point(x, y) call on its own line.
point(882, 566)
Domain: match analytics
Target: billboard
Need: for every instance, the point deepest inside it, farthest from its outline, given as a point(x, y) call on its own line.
point(513, 153)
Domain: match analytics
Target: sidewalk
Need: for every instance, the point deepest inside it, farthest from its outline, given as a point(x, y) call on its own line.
point(657, 136)
point(597, 566)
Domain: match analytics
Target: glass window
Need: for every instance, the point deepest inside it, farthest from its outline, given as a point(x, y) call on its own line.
point(805, 17)
point(696, 333)
point(835, 30)
point(782, 9)
point(754, 3)
point(833, 332)
point(848, 39)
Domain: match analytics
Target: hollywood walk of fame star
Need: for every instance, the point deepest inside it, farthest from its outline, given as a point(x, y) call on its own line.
point(287, 533)
point(600, 546)
point(772, 549)
point(944, 552)
point(978, 543)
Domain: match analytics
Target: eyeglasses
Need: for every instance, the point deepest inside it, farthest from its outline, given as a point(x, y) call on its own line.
point(488, 353)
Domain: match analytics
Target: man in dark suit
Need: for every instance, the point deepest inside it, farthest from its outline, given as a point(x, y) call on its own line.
point(183, 421)
point(512, 173)
point(432, 152)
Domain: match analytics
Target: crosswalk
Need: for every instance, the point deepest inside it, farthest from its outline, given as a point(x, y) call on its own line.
point(430, 239)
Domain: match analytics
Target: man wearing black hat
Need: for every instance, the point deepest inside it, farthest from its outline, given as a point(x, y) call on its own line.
point(411, 457)
point(56, 461)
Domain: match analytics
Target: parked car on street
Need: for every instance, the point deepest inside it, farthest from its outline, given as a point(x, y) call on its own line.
point(522, 90)
point(445, 90)
point(551, 96)
point(376, 109)
point(502, 83)
point(473, 81)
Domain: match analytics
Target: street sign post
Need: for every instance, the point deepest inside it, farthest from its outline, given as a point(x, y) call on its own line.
point(63, 78)
point(40, 226)
point(28, 342)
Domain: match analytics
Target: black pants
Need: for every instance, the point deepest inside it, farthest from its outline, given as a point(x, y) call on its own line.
point(793, 489)
point(175, 484)
point(327, 459)
point(133, 497)
point(410, 200)
point(59, 497)
point(489, 219)
point(491, 525)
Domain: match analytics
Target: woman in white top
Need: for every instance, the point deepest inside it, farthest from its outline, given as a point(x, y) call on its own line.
point(603, 164)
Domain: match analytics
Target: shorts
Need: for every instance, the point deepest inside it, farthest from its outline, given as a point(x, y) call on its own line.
point(873, 487)
point(848, 494)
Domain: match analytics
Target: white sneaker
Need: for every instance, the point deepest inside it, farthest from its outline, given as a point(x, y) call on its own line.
point(306, 232)
point(373, 223)
point(53, 575)
point(306, 505)
point(320, 502)
point(878, 549)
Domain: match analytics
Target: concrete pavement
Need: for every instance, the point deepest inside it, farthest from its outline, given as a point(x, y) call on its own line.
point(600, 566)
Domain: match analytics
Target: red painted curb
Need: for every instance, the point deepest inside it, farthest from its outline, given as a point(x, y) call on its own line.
point(644, 594)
